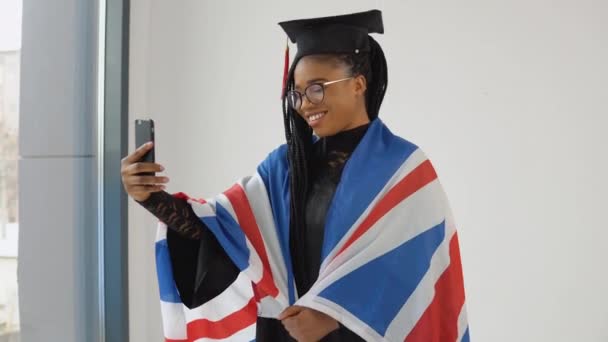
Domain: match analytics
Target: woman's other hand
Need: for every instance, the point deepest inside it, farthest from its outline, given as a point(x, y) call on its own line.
point(307, 325)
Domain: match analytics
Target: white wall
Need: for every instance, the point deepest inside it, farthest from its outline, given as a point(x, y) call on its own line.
point(509, 99)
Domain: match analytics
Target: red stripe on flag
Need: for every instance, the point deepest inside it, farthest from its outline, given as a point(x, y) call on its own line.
point(225, 327)
point(185, 196)
point(412, 182)
point(172, 340)
point(440, 320)
point(238, 199)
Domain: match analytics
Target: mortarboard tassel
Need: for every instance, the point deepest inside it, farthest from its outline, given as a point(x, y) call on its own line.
point(285, 68)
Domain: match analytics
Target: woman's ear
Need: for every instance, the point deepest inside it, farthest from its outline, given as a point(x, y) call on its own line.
point(360, 85)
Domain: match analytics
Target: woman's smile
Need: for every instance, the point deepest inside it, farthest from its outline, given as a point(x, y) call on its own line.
point(314, 119)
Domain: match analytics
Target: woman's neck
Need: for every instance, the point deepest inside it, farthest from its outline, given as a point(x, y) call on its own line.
point(346, 140)
point(360, 119)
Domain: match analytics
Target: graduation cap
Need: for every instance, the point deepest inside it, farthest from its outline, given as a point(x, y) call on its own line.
point(342, 34)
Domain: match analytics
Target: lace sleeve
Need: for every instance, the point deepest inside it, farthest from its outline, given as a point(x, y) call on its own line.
point(176, 213)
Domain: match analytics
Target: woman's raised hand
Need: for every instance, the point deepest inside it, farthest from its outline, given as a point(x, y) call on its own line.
point(138, 186)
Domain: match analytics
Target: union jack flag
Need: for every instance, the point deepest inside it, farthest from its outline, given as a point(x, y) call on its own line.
point(390, 269)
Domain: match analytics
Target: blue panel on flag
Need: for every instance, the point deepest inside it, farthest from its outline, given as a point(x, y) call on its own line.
point(274, 172)
point(164, 271)
point(230, 235)
point(386, 282)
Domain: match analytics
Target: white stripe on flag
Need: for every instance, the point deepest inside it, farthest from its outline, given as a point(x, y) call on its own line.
point(463, 322)
point(161, 232)
point(174, 321)
point(260, 205)
point(203, 209)
point(346, 318)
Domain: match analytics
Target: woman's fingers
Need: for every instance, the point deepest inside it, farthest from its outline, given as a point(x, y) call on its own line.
point(290, 312)
point(147, 180)
point(138, 186)
point(138, 154)
point(136, 168)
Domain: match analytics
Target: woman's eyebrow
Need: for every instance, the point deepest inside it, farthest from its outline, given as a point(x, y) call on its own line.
point(314, 80)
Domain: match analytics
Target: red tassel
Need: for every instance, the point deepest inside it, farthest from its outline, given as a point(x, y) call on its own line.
point(285, 69)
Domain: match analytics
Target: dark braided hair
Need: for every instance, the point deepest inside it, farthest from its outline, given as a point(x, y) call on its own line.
point(372, 65)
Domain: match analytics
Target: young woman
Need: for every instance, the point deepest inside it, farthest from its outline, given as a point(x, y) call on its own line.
point(344, 231)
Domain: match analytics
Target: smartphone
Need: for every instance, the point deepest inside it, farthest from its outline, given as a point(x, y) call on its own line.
point(144, 132)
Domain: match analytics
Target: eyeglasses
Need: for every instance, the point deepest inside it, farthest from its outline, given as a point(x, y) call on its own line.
point(315, 93)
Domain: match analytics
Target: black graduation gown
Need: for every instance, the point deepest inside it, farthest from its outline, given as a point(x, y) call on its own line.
point(203, 270)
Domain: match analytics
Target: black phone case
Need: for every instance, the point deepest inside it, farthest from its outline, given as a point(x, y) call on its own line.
point(144, 132)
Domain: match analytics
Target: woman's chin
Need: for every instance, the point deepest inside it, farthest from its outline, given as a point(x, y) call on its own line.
point(322, 132)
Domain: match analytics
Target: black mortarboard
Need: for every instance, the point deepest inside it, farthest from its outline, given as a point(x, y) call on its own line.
point(337, 34)
point(332, 35)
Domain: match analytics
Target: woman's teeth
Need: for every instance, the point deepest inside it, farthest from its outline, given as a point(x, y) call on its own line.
point(316, 117)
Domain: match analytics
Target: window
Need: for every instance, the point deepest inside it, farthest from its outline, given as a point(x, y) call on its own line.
point(10, 44)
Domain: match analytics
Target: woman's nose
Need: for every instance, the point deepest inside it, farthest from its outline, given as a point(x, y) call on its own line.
point(306, 103)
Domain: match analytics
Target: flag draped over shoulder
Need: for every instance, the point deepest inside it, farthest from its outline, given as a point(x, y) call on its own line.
point(390, 269)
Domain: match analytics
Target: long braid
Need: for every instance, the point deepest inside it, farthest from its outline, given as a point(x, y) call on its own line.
point(299, 140)
point(379, 83)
